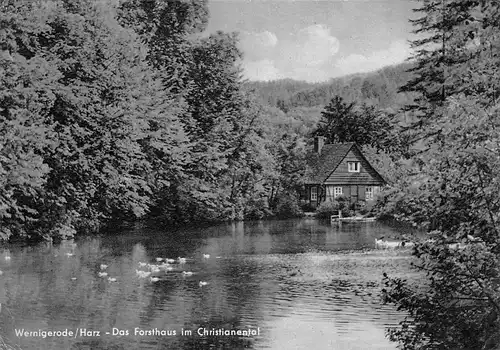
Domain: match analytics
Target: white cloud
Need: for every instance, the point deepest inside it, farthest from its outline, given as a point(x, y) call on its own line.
point(355, 63)
point(257, 46)
point(314, 46)
point(261, 70)
point(310, 56)
point(302, 58)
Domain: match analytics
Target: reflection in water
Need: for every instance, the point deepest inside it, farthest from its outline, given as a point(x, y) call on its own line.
point(302, 283)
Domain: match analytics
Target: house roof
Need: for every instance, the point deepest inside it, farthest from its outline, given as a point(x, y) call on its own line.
point(320, 166)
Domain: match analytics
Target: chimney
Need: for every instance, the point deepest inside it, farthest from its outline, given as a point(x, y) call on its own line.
point(319, 141)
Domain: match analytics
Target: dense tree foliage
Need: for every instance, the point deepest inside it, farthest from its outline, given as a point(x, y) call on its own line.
point(121, 110)
point(346, 122)
point(453, 191)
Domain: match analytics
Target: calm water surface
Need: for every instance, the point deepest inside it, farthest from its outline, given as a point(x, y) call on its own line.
point(299, 283)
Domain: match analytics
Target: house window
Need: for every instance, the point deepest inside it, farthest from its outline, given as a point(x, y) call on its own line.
point(314, 193)
point(353, 167)
point(369, 193)
point(337, 191)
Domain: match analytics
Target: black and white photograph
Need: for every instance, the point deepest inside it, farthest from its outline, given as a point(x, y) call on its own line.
point(250, 174)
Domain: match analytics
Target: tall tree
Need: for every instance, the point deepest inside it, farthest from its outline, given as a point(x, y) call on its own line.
point(448, 32)
point(345, 122)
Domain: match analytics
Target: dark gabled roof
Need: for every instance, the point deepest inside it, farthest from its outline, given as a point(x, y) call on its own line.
point(320, 166)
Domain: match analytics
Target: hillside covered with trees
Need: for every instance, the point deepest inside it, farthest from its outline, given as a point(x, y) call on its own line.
point(380, 88)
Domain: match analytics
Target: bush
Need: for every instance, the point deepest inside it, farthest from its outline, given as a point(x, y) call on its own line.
point(347, 213)
point(327, 209)
point(288, 207)
point(307, 207)
point(364, 210)
point(257, 209)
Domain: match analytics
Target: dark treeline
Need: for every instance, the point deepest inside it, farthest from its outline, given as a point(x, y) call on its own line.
point(123, 110)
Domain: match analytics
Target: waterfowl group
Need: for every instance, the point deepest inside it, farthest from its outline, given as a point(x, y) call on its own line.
point(153, 271)
point(103, 273)
point(384, 244)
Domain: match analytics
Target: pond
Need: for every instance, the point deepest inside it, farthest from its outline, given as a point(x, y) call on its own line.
point(292, 284)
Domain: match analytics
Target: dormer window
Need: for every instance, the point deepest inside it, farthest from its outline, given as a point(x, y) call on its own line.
point(353, 167)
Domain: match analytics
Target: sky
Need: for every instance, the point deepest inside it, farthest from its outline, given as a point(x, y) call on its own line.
point(315, 40)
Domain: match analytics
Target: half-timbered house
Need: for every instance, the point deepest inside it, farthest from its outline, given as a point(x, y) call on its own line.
point(340, 169)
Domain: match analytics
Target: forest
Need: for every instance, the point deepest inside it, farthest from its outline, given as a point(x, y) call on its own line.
point(121, 111)
point(124, 111)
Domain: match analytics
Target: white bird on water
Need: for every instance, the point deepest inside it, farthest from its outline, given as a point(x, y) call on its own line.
point(142, 274)
point(154, 279)
point(170, 261)
point(206, 256)
point(202, 283)
point(159, 259)
point(187, 273)
point(104, 266)
point(102, 274)
point(154, 268)
point(112, 279)
point(381, 243)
